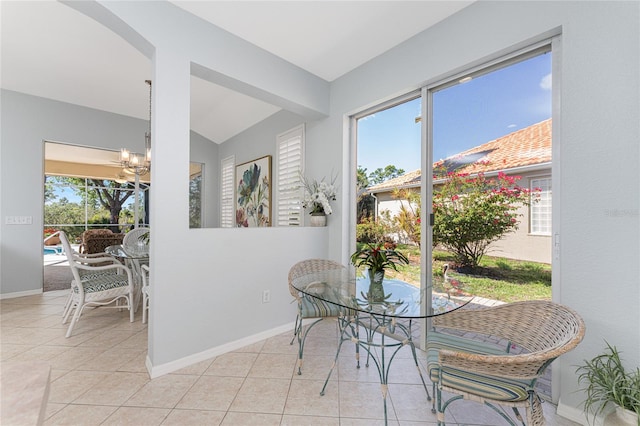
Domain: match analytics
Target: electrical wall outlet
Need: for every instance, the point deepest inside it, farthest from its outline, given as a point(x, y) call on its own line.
point(266, 296)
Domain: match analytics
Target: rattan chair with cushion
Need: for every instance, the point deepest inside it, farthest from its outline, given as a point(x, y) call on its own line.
point(110, 283)
point(97, 240)
point(309, 307)
point(460, 361)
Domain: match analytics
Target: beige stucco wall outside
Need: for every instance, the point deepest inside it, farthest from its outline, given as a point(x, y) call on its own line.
point(519, 245)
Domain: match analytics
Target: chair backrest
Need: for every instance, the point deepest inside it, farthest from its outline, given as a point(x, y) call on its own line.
point(71, 256)
point(306, 269)
point(537, 325)
point(97, 240)
point(133, 237)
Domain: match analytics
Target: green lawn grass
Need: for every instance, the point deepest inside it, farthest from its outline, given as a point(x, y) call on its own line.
point(498, 278)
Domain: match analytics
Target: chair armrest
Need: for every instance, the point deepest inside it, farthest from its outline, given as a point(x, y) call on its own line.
point(90, 255)
point(93, 259)
point(523, 366)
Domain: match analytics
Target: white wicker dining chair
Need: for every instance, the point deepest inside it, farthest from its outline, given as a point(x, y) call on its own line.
point(97, 281)
point(475, 369)
point(309, 307)
point(132, 239)
point(145, 292)
point(88, 259)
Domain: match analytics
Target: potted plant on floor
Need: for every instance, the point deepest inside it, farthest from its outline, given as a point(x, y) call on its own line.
point(607, 382)
point(377, 258)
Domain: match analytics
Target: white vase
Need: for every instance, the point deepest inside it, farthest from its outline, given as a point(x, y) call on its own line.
point(627, 416)
point(318, 219)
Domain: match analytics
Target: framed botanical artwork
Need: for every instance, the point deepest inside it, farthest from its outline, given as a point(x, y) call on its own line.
point(253, 193)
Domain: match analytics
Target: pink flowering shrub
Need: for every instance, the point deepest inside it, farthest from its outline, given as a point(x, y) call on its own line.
point(471, 212)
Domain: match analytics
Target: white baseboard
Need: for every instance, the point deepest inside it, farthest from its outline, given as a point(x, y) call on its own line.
point(20, 294)
point(571, 413)
point(577, 415)
point(169, 367)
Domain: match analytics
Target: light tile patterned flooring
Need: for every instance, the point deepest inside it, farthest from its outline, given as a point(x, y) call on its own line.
point(98, 376)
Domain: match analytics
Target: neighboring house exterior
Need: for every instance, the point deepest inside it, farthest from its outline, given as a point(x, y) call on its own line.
point(525, 153)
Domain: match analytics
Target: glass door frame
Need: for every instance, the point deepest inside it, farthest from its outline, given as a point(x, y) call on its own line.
point(503, 61)
point(425, 92)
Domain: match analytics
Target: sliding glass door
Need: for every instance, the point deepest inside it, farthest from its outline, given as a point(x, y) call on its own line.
point(431, 165)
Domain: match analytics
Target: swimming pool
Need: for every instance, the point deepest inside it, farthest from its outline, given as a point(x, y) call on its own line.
point(52, 250)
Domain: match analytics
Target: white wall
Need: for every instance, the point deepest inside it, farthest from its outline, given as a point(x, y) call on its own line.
point(260, 140)
point(208, 282)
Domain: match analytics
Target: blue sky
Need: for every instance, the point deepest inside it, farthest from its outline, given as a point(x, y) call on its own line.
point(465, 115)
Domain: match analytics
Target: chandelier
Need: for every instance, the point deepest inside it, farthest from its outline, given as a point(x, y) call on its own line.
point(134, 162)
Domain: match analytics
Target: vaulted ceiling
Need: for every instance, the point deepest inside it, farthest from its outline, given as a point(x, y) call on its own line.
point(51, 50)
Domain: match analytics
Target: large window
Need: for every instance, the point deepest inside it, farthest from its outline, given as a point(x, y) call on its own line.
point(490, 123)
point(75, 204)
point(388, 180)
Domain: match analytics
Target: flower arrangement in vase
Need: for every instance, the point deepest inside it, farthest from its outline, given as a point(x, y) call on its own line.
point(377, 258)
point(317, 198)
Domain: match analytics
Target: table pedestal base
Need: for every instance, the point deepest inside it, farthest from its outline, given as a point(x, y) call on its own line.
point(388, 329)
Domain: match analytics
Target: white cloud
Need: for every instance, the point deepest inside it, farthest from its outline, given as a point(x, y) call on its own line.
point(511, 126)
point(545, 83)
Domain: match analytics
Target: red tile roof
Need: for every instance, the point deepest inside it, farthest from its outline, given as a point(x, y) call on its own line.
point(525, 147)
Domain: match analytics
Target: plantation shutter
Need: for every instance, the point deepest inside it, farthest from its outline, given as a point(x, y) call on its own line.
point(227, 192)
point(290, 156)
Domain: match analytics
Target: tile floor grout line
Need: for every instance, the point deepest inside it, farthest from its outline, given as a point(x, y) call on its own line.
point(34, 322)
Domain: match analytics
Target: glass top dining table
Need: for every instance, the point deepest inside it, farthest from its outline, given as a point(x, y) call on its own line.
point(133, 257)
point(119, 250)
point(376, 319)
point(400, 300)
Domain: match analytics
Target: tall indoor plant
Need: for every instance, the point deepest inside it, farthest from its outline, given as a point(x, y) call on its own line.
point(377, 258)
point(607, 382)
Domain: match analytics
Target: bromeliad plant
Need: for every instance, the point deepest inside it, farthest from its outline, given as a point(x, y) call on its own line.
point(376, 257)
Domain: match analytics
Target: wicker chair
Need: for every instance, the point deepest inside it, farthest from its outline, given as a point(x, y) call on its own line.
point(88, 259)
point(94, 285)
point(96, 240)
point(309, 307)
point(489, 374)
point(134, 237)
